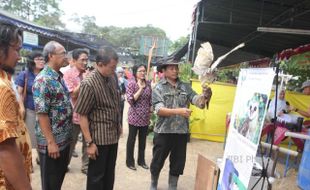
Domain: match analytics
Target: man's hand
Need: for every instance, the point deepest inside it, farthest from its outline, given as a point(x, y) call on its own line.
point(53, 150)
point(92, 151)
point(185, 112)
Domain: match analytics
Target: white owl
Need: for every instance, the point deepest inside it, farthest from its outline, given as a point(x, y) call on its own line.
point(203, 66)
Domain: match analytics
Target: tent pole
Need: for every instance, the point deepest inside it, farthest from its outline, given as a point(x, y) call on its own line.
point(195, 32)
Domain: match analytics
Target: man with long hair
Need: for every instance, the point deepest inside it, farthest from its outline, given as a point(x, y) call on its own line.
point(15, 149)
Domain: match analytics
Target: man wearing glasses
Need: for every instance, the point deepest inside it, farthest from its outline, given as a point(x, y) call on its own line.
point(54, 113)
point(73, 77)
point(99, 107)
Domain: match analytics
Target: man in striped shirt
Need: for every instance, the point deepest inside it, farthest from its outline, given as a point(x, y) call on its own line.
point(99, 107)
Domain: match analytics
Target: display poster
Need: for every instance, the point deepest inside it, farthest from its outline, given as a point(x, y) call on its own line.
point(247, 118)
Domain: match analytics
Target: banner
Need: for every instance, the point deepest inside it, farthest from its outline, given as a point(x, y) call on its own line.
point(209, 124)
point(247, 118)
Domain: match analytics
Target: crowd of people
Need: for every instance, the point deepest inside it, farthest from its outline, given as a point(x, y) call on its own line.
point(56, 98)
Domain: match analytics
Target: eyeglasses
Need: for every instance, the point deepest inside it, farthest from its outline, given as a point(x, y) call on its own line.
point(64, 53)
point(142, 71)
point(39, 59)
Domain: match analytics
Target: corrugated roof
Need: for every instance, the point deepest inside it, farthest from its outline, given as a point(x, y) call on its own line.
point(227, 23)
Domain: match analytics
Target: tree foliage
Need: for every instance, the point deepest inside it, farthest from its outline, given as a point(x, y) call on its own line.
point(302, 71)
point(178, 44)
point(43, 12)
point(128, 37)
point(47, 13)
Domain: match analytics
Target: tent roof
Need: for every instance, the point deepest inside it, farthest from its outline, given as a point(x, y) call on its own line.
point(227, 23)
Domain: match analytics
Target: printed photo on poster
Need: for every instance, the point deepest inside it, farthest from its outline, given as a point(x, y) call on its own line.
point(249, 120)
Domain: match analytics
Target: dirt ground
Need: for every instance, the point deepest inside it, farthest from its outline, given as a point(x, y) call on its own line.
point(126, 179)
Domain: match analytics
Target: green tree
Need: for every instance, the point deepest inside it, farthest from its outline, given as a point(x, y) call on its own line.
point(127, 38)
point(43, 12)
point(179, 43)
point(302, 71)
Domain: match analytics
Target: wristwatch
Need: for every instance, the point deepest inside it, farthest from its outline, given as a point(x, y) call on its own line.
point(88, 143)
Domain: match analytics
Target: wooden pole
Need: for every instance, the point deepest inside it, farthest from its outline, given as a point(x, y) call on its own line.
point(150, 59)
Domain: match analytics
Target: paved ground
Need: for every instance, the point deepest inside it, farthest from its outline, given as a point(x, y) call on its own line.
point(127, 179)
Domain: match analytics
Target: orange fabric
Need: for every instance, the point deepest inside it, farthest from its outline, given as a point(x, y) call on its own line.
point(12, 126)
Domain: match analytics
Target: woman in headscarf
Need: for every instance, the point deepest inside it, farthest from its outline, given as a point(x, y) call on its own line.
point(282, 106)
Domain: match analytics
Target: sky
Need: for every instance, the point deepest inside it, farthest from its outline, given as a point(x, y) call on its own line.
point(173, 16)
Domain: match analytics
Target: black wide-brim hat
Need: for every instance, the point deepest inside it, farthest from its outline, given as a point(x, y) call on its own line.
point(164, 63)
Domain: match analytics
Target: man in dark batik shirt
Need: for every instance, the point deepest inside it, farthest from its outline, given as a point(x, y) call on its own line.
point(171, 98)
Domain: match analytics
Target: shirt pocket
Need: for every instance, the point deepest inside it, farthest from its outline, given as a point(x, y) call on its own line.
point(168, 100)
point(182, 99)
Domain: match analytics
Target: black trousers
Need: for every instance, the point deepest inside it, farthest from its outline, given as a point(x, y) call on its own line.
point(101, 171)
point(133, 130)
point(122, 104)
point(75, 134)
point(165, 144)
point(53, 170)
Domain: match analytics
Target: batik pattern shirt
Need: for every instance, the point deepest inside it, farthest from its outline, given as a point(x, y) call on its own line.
point(51, 97)
point(12, 126)
point(165, 95)
point(139, 110)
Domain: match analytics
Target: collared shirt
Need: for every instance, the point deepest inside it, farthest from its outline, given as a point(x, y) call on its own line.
point(99, 100)
point(166, 95)
point(139, 110)
point(73, 78)
point(12, 125)
point(20, 81)
point(51, 96)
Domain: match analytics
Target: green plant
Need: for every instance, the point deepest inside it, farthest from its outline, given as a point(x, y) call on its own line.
point(153, 121)
point(186, 73)
point(292, 68)
point(228, 75)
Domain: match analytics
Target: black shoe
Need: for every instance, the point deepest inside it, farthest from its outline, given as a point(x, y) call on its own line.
point(75, 154)
point(132, 167)
point(38, 161)
point(84, 172)
point(144, 166)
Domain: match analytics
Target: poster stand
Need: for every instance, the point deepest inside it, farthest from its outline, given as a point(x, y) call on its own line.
point(207, 174)
point(264, 173)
